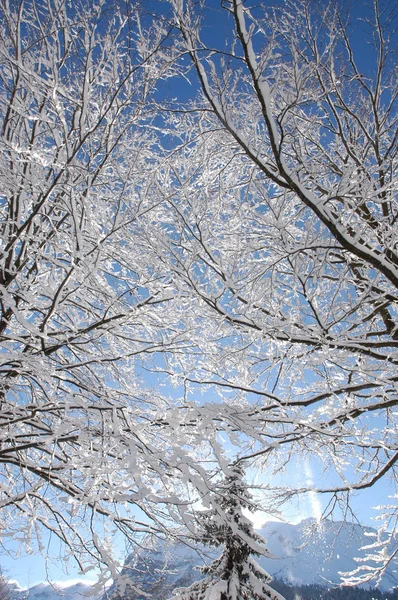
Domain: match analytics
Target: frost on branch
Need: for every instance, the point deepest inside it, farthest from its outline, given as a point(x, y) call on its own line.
point(245, 240)
point(284, 199)
point(382, 550)
point(82, 301)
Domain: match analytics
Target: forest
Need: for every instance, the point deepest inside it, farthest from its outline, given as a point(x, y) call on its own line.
point(318, 592)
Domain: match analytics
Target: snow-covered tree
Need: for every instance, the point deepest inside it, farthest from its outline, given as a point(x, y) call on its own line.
point(282, 204)
point(246, 240)
point(235, 575)
point(82, 300)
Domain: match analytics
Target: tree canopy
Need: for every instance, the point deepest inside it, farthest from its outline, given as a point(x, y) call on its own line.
point(286, 215)
point(183, 279)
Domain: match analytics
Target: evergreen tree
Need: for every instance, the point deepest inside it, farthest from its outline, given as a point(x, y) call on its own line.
point(235, 575)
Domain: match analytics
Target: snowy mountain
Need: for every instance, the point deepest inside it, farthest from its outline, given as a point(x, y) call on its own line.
point(304, 554)
point(75, 590)
point(309, 553)
point(156, 572)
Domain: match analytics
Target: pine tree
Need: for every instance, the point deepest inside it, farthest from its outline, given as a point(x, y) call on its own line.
point(235, 575)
